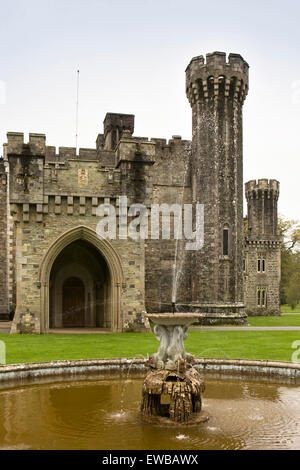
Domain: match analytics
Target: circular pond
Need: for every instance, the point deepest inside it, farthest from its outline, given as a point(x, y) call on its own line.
point(102, 412)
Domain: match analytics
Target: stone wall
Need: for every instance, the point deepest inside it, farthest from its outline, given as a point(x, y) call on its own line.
point(268, 280)
point(4, 304)
point(167, 261)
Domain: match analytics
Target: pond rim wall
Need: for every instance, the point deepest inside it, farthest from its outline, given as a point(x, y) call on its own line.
point(73, 368)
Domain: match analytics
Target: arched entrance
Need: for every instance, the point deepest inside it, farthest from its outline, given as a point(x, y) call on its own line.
point(81, 279)
point(80, 288)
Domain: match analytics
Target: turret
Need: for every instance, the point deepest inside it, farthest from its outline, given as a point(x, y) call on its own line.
point(262, 197)
point(114, 126)
point(217, 78)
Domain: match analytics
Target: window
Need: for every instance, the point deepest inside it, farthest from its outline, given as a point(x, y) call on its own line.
point(245, 263)
point(261, 264)
point(261, 296)
point(225, 242)
point(225, 130)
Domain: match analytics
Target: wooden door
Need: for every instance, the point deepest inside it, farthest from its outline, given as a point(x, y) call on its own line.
point(73, 303)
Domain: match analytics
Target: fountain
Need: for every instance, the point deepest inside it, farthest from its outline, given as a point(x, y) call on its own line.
point(251, 405)
point(172, 387)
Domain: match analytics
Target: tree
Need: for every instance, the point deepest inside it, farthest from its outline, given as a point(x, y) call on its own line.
point(293, 293)
point(290, 261)
point(290, 231)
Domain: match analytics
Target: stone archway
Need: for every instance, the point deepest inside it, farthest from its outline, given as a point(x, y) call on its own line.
point(106, 251)
point(80, 288)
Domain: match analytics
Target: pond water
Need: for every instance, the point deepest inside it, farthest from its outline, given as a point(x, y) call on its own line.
point(103, 413)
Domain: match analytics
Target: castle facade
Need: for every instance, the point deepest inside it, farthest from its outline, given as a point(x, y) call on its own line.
point(57, 272)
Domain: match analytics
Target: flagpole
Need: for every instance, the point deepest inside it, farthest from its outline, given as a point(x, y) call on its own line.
point(77, 103)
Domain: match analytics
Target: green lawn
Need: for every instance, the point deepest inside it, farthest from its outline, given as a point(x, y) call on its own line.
point(274, 345)
point(286, 320)
point(287, 309)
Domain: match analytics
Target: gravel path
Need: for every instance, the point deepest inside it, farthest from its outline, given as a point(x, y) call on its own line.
point(246, 328)
point(5, 328)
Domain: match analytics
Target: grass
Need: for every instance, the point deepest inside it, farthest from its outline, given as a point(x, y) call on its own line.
point(287, 320)
point(287, 309)
point(272, 345)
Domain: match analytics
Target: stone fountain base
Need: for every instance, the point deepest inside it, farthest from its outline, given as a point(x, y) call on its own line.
point(172, 398)
point(172, 388)
point(217, 314)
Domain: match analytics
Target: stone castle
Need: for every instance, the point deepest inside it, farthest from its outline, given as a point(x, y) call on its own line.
point(55, 272)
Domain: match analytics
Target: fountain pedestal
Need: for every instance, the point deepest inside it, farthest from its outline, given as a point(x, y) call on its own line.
point(172, 388)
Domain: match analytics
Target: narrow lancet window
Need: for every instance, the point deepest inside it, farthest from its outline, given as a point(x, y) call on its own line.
point(225, 242)
point(263, 298)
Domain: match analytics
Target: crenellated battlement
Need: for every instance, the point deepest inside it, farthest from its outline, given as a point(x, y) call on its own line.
point(69, 153)
point(35, 147)
point(103, 153)
point(217, 77)
point(262, 187)
point(219, 58)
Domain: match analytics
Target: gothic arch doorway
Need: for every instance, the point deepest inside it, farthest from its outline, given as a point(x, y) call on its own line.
point(80, 288)
point(81, 273)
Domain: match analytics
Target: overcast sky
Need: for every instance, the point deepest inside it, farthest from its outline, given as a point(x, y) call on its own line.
point(132, 56)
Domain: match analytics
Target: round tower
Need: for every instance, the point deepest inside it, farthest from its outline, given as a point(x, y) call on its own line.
point(216, 90)
point(262, 197)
